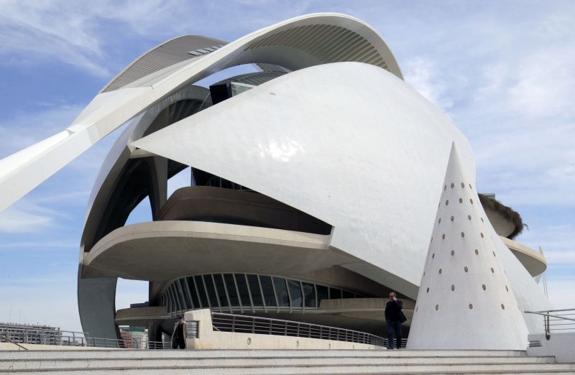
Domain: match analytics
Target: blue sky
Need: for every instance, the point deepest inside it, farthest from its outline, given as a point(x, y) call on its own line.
point(503, 70)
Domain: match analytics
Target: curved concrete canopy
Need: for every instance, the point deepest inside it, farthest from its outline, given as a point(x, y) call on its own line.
point(296, 43)
point(165, 250)
point(532, 260)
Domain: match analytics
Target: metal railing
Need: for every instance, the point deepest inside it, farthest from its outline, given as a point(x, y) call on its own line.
point(269, 326)
point(556, 320)
point(19, 336)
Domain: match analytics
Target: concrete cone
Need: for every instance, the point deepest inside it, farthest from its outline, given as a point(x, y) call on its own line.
point(465, 300)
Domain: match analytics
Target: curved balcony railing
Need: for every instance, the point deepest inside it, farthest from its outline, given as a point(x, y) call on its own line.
point(269, 326)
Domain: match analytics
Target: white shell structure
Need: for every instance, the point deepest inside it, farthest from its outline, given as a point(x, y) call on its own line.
point(325, 130)
point(465, 300)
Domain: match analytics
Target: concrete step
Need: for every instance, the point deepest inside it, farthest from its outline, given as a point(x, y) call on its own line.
point(52, 364)
point(127, 353)
point(309, 370)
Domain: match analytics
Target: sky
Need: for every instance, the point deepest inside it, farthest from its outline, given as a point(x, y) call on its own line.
point(503, 70)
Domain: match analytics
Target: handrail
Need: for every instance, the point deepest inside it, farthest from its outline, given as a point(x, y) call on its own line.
point(556, 320)
point(226, 322)
point(25, 335)
point(7, 339)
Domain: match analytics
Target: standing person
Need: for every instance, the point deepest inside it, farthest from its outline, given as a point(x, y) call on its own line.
point(178, 339)
point(394, 317)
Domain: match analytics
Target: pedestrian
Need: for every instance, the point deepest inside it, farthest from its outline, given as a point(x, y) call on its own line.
point(178, 339)
point(394, 317)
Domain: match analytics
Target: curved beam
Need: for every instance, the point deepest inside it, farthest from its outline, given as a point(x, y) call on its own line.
point(283, 44)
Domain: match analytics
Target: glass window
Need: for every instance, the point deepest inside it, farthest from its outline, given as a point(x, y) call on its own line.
point(193, 292)
point(347, 294)
point(186, 303)
point(308, 295)
point(174, 295)
point(255, 289)
point(294, 288)
point(281, 291)
point(268, 289)
point(211, 289)
point(231, 287)
point(243, 288)
point(334, 293)
point(322, 292)
point(201, 291)
point(219, 280)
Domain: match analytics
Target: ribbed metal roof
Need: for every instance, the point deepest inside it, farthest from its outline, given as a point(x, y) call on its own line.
point(166, 54)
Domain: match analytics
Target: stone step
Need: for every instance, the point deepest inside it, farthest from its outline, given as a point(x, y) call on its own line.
point(127, 353)
point(309, 370)
point(45, 364)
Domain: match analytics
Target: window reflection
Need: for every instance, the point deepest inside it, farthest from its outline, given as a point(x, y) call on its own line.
point(255, 290)
point(294, 288)
point(281, 292)
point(309, 294)
point(268, 289)
point(231, 288)
point(243, 288)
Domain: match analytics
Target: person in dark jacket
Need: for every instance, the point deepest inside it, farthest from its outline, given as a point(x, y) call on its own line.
point(394, 317)
point(178, 339)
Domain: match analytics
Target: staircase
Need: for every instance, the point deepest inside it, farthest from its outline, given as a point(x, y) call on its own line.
point(142, 362)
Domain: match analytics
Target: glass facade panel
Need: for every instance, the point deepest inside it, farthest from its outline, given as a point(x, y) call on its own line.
point(231, 287)
point(193, 292)
point(255, 290)
point(175, 298)
point(219, 280)
point(211, 290)
point(281, 292)
point(294, 288)
point(202, 291)
point(268, 289)
point(334, 293)
point(322, 293)
point(248, 291)
point(186, 302)
point(309, 295)
point(243, 288)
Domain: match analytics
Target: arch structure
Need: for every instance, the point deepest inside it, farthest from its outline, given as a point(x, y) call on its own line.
point(313, 181)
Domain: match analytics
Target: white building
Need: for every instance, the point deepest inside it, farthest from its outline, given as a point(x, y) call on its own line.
point(314, 186)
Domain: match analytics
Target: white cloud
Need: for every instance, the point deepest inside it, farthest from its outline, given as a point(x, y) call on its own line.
point(26, 217)
point(425, 78)
point(545, 84)
point(561, 293)
point(82, 33)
